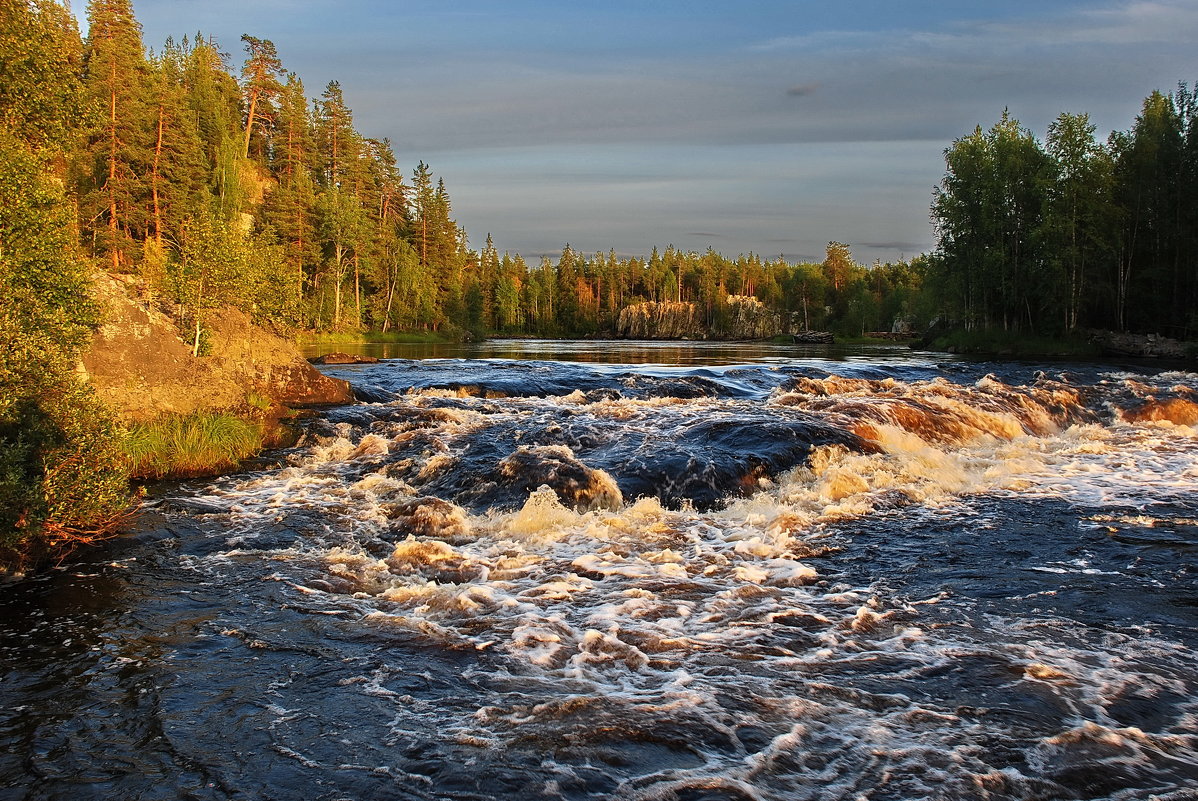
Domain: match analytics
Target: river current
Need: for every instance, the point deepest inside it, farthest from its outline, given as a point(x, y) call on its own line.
point(678, 573)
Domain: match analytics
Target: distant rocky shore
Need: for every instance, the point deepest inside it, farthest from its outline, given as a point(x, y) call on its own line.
point(1147, 346)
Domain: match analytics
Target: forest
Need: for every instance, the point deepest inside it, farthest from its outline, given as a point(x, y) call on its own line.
point(219, 180)
point(220, 184)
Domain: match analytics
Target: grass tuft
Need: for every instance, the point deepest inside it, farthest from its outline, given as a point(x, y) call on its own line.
point(179, 446)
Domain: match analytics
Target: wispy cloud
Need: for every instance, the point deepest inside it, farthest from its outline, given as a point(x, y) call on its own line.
point(677, 120)
point(803, 89)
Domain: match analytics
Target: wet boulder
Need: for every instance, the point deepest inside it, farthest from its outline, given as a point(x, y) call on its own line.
point(430, 517)
point(577, 485)
point(433, 560)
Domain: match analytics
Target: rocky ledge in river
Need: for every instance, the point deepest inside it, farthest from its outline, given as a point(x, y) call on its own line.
point(343, 358)
point(1142, 345)
point(141, 367)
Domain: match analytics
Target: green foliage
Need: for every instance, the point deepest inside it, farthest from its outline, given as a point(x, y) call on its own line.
point(62, 473)
point(190, 445)
point(1075, 233)
point(40, 58)
point(61, 477)
point(118, 152)
point(989, 217)
point(1015, 345)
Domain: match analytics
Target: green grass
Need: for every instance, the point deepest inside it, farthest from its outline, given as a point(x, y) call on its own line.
point(191, 445)
point(358, 337)
point(1008, 343)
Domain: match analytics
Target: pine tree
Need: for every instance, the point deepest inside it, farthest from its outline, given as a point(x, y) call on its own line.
point(118, 154)
point(178, 169)
point(336, 139)
point(260, 78)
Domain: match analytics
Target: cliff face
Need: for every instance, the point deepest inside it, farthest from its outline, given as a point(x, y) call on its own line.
point(742, 317)
point(660, 321)
point(749, 318)
point(141, 368)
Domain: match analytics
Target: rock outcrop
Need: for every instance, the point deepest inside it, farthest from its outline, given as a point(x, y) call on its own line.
point(742, 317)
point(667, 320)
point(749, 318)
point(1147, 346)
point(140, 366)
point(343, 358)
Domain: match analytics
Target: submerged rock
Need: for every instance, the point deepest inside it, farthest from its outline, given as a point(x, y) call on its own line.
point(430, 517)
point(556, 466)
point(343, 358)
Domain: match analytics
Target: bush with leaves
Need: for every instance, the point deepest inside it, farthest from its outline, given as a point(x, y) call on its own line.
point(62, 472)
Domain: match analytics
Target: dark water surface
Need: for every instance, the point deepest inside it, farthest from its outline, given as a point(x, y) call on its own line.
point(730, 573)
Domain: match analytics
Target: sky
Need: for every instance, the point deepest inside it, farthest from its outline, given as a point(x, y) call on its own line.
point(772, 127)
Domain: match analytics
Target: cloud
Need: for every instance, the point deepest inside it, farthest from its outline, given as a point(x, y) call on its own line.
point(910, 248)
point(802, 89)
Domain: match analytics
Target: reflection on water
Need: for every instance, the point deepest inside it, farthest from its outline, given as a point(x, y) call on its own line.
point(623, 351)
point(731, 573)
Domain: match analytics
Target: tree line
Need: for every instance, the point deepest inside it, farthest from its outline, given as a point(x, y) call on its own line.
point(1073, 232)
point(223, 184)
point(237, 188)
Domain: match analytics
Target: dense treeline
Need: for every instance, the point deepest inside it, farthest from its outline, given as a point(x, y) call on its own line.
point(223, 188)
point(234, 189)
point(1073, 232)
point(238, 188)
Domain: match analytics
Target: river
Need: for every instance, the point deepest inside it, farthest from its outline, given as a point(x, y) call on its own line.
point(678, 572)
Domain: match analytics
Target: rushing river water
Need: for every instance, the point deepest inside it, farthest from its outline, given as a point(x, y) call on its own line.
point(731, 574)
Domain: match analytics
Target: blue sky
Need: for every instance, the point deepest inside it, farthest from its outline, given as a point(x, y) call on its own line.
point(765, 126)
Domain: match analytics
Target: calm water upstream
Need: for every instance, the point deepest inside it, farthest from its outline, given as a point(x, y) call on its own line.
point(645, 571)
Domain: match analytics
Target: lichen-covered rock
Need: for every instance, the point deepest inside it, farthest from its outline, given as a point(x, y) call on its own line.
point(749, 318)
point(142, 369)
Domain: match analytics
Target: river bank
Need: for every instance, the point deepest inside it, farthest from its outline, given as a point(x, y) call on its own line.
point(1091, 344)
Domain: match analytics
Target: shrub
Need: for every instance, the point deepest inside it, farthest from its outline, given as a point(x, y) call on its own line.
point(63, 475)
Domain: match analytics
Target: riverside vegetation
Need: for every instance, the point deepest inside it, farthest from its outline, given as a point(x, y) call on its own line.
point(218, 187)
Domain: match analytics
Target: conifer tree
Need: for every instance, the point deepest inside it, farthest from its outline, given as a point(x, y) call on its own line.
point(335, 136)
point(178, 170)
point(260, 78)
point(289, 207)
point(118, 155)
